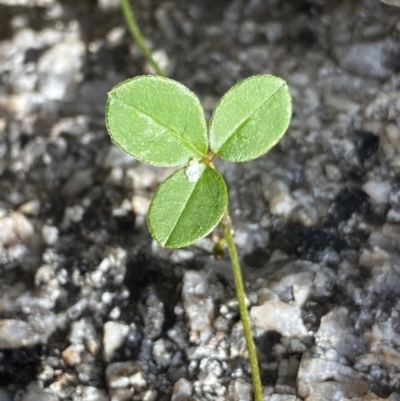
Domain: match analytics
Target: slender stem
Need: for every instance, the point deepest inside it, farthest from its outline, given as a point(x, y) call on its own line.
point(138, 37)
point(227, 229)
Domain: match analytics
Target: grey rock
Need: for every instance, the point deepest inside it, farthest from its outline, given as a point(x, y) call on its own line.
point(15, 228)
point(84, 332)
point(93, 96)
point(198, 304)
point(284, 287)
point(5, 395)
point(76, 126)
point(314, 373)
point(182, 391)
point(109, 5)
point(114, 335)
point(161, 353)
point(124, 375)
point(335, 332)
point(116, 158)
point(240, 390)
point(18, 333)
point(287, 373)
point(122, 394)
point(60, 67)
point(35, 392)
point(366, 59)
point(80, 181)
point(50, 234)
point(278, 316)
point(89, 393)
point(72, 354)
point(153, 315)
point(287, 397)
point(27, 3)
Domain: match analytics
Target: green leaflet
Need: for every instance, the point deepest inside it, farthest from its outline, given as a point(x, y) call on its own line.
point(250, 118)
point(157, 120)
point(187, 206)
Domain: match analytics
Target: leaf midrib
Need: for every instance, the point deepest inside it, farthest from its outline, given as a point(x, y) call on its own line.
point(184, 208)
point(188, 145)
point(248, 117)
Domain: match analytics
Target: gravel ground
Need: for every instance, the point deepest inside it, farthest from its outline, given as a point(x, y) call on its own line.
point(92, 310)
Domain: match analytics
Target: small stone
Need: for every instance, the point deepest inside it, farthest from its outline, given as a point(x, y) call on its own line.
point(161, 354)
point(333, 173)
point(287, 372)
point(72, 354)
point(80, 181)
point(109, 5)
point(288, 397)
point(247, 31)
point(59, 68)
point(76, 126)
point(240, 390)
point(114, 336)
point(50, 234)
point(116, 177)
point(15, 228)
point(197, 303)
point(35, 392)
point(27, 3)
point(140, 204)
point(137, 381)
point(93, 394)
point(160, 56)
point(278, 316)
point(116, 35)
point(326, 378)
point(275, 188)
point(366, 59)
point(73, 214)
point(76, 310)
point(125, 374)
point(122, 394)
point(282, 205)
point(30, 208)
point(378, 191)
point(115, 313)
point(17, 333)
point(284, 286)
point(83, 332)
point(44, 274)
point(149, 395)
point(64, 386)
point(153, 314)
point(301, 293)
point(273, 31)
point(182, 391)
point(6, 396)
point(117, 158)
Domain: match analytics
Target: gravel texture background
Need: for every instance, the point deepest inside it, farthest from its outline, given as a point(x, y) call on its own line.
point(92, 310)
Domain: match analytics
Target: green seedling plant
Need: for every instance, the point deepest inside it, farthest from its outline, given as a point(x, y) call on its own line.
point(161, 122)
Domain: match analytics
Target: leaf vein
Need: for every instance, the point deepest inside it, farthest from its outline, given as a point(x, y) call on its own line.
point(244, 121)
point(176, 135)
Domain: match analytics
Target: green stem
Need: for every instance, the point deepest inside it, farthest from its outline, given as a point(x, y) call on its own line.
point(227, 229)
point(137, 35)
